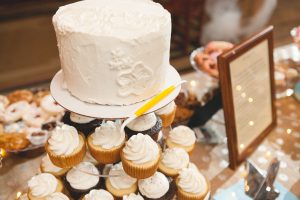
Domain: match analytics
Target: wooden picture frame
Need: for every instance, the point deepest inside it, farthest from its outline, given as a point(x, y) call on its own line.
point(247, 71)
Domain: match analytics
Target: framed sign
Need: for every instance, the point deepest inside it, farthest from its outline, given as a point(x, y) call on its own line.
point(248, 94)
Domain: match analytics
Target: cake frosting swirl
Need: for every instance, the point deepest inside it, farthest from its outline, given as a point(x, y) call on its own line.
point(80, 119)
point(182, 135)
point(78, 179)
point(167, 109)
point(42, 185)
point(121, 180)
point(155, 186)
point(108, 135)
point(98, 194)
point(175, 158)
point(140, 149)
point(133, 196)
point(63, 140)
point(143, 122)
point(48, 166)
point(192, 181)
point(57, 196)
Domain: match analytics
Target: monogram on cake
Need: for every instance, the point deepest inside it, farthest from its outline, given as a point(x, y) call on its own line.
point(113, 52)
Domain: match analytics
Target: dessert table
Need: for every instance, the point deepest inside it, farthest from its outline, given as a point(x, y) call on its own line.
point(283, 142)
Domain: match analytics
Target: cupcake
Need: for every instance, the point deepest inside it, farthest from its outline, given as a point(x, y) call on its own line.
point(47, 166)
point(98, 194)
point(167, 114)
point(148, 124)
point(42, 185)
point(57, 196)
point(106, 142)
point(191, 185)
point(140, 156)
point(173, 160)
point(157, 187)
point(80, 180)
point(120, 184)
point(65, 146)
point(133, 196)
point(84, 124)
point(182, 137)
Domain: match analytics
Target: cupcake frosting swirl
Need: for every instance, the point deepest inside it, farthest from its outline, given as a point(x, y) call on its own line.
point(143, 122)
point(167, 109)
point(108, 135)
point(78, 179)
point(48, 166)
point(175, 158)
point(182, 135)
point(42, 185)
point(140, 149)
point(133, 196)
point(155, 186)
point(192, 181)
point(80, 119)
point(57, 196)
point(63, 140)
point(122, 180)
point(98, 195)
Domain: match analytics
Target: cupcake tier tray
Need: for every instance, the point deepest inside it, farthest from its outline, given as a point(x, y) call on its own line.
point(71, 103)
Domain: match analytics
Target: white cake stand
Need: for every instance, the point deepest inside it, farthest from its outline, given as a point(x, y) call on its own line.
point(71, 103)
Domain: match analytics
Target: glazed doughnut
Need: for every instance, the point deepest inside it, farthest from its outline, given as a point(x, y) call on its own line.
point(37, 98)
point(49, 105)
point(15, 111)
point(34, 117)
point(20, 95)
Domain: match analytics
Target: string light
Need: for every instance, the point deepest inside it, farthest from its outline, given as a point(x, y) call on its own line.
point(251, 123)
point(250, 100)
point(242, 146)
point(288, 131)
point(243, 95)
point(193, 83)
point(19, 194)
point(238, 88)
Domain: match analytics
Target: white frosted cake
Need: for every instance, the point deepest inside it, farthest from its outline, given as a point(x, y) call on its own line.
point(113, 52)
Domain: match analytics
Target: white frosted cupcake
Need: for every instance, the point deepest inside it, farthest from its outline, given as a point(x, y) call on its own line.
point(133, 196)
point(42, 185)
point(120, 183)
point(155, 187)
point(79, 180)
point(148, 124)
point(182, 137)
point(98, 195)
point(47, 166)
point(106, 142)
point(191, 185)
point(167, 114)
point(57, 196)
point(173, 160)
point(140, 156)
point(65, 146)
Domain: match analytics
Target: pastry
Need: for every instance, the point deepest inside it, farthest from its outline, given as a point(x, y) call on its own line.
point(173, 160)
point(49, 105)
point(157, 187)
point(34, 116)
point(133, 196)
point(140, 156)
point(23, 196)
point(94, 51)
point(191, 185)
point(57, 196)
point(148, 124)
point(181, 137)
point(84, 124)
point(79, 180)
point(39, 95)
point(98, 194)
point(65, 146)
point(122, 184)
point(4, 102)
point(47, 166)
point(37, 137)
point(13, 141)
point(15, 111)
point(167, 114)
point(106, 142)
point(20, 95)
point(42, 185)
point(49, 126)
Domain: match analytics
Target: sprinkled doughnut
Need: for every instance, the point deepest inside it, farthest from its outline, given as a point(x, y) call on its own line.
point(49, 105)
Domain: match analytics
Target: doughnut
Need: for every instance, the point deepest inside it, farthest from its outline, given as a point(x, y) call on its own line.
point(34, 117)
point(49, 105)
point(20, 95)
point(15, 111)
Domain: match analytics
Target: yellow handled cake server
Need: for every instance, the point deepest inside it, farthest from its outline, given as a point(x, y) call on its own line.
point(147, 106)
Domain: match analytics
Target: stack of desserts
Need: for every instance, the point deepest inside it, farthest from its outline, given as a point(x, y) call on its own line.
point(25, 117)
